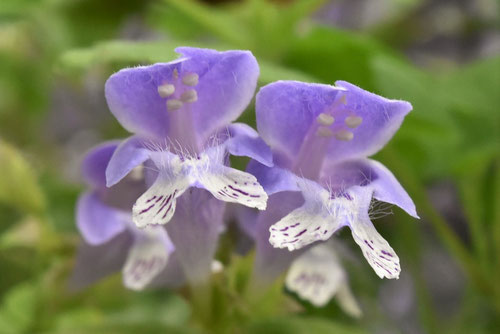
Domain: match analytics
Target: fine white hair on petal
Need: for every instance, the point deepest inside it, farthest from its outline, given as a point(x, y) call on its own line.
point(316, 275)
point(147, 257)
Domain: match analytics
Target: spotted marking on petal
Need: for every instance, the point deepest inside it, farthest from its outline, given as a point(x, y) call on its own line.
point(376, 249)
point(146, 259)
point(231, 185)
point(316, 275)
point(157, 205)
point(301, 227)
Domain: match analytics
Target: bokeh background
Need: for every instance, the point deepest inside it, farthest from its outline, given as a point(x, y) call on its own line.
point(441, 55)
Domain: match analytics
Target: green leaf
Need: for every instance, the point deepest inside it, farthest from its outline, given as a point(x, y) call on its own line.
point(18, 309)
point(118, 52)
point(301, 325)
point(18, 182)
point(332, 55)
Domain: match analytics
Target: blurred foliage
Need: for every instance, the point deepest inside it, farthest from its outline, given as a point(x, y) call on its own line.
point(49, 46)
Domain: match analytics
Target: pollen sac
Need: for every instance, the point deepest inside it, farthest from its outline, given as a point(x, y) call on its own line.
point(174, 104)
point(166, 90)
point(325, 119)
point(189, 96)
point(323, 131)
point(190, 79)
point(344, 135)
point(353, 121)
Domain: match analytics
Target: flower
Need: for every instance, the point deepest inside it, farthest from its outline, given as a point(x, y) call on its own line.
point(321, 136)
point(317, 276)
point(181, 114)
point(104, 219)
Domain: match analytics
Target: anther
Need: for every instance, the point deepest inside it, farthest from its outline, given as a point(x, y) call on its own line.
point(323, 131)
point(325, 119)
point(175, 74)
point(190, 79)
point(189, 96)
point(166, 90)
point(353, 121)
point(174, 104)
point(137, 173)
point(344, 135)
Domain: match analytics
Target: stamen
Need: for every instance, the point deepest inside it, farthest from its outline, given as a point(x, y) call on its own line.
point(137, 173)
point(166, 90)
point(324, 132)
point(325, 119)
point(190, 79)
point(175, 74)
point(353, 121)
point(174, 104)
point(189, 96)
point(344, 135)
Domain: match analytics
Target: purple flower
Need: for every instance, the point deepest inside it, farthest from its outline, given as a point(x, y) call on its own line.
point(321, 137)
point(104, 219)
point(181, 114)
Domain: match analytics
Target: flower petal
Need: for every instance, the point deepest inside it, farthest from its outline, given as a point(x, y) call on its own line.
point(302, 227)
point(311, 222)
point(375, 248)
point(381, 118)
point(132, 96)
point(316, 275)
point(244, 141)
point(129, 154)
point(231, 185)
point(147, 257)
point(273, 179)
point(157, 204)
point(194, 230)
point(97, 222)
point(287, 109)
point(368, 173)
point(225, 85)
point(95, 162)
point(271, 262)
point(95, 262)
point(227, 82)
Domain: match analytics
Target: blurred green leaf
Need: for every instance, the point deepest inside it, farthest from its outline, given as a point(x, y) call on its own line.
point(18, 309)
point(18, 184)
point(301, 325)
point(118, 51)
point(330, 54)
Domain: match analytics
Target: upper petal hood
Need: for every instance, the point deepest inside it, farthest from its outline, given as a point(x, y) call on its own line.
point(225, 84)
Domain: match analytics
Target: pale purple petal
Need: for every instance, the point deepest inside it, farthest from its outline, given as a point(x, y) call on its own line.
point(97, 222)
point(132, 96)
point(227, 82)
point(371, 174)
point(96, 262)
point(95, 162)
point(245, 141)
point(273, 179)
point(287, 109)
point(129, 154)
point(381, 118)
point(194, 231)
